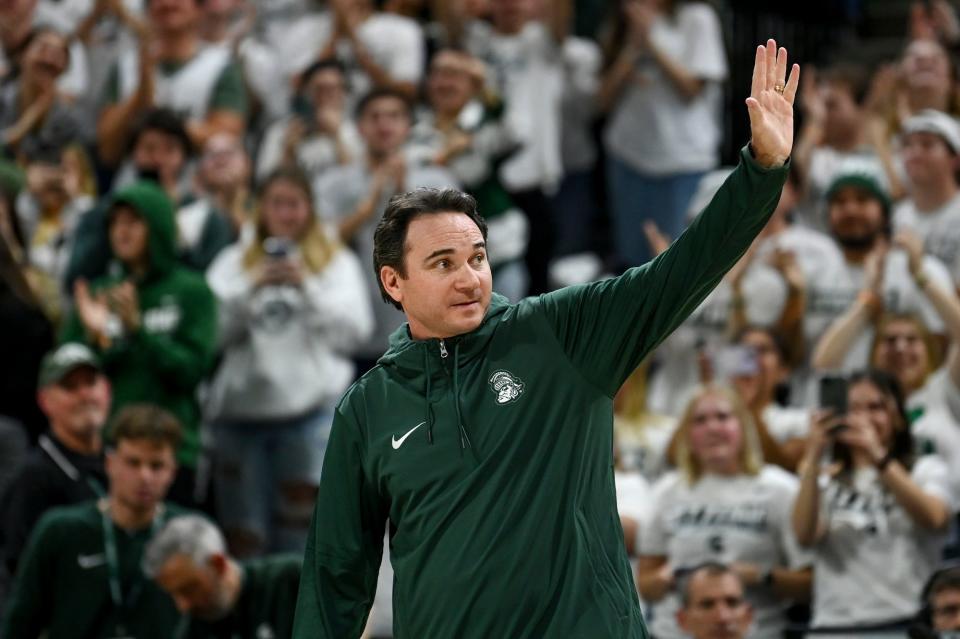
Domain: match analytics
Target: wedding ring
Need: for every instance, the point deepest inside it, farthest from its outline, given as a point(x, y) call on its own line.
point(778, 88)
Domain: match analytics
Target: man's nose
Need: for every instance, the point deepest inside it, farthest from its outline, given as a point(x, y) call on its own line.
point(467, 279)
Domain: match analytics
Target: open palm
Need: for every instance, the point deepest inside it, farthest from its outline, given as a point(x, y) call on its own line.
point(770, 105)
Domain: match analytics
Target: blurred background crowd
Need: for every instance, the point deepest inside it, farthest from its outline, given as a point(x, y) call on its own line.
point(188, 195)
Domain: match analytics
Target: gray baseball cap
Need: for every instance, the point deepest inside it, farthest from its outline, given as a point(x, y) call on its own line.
point(58, 363)
point(937, 123)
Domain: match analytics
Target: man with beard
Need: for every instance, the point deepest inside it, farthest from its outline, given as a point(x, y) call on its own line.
point(223, 598)
point(875, 276)
point(67, 466)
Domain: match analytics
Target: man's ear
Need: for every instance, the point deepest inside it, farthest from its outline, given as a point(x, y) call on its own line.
point(218, 563)
point(390, 279)
point(682, 619)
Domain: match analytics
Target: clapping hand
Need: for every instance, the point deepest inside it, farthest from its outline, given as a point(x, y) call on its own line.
point(93, 312)
point(123, 300)
point(770, 105)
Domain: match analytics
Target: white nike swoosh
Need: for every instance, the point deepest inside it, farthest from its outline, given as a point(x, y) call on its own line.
point(397, 443)
point(91, 561)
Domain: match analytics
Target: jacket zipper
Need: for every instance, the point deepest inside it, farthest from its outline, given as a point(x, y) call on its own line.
point(443, 350)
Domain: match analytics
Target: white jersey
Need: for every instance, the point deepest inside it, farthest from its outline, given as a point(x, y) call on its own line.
point(725, 519)
point(874, 560)
point(526, 69)
point(939, 229)
point(832, 294)
point(188, 90)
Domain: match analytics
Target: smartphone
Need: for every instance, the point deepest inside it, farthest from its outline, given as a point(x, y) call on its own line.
point(833, 394)
point(277, 248)
point(736, 361)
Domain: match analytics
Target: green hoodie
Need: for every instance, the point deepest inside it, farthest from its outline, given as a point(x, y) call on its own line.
point(491, 455)
point(166, 358)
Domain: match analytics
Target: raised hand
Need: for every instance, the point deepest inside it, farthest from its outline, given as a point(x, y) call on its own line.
point(770, 105)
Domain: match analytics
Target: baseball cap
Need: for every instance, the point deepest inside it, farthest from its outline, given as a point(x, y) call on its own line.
point(863, 175)
point(937, 123)
point(58, 363)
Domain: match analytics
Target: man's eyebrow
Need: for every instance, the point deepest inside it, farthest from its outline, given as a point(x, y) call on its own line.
point(450, 251)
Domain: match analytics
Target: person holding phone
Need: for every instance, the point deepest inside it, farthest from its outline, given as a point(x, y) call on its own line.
point(723, 504)
point(875, 515)
point(292, 304)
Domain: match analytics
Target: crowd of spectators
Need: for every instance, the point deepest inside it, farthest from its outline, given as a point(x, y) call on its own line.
point(188, 196)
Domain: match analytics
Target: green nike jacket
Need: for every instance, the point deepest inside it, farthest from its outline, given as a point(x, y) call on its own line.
point(490, 455)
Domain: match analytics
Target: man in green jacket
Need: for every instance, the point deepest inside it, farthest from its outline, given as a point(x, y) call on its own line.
point(151, 321)
point(80, 576)
point(224, 598)
point(484, 437)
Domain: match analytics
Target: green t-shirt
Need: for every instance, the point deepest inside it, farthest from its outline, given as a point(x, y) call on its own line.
point(266, 605)
point(62, 587)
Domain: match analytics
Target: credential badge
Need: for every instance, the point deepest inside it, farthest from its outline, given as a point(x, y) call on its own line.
point(507, 387)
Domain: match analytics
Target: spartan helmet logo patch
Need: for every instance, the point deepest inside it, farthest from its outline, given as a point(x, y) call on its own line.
point(507, 387)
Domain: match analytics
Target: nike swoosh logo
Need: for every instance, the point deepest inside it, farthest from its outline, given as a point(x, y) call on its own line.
point(91, 561)
point(397, 443)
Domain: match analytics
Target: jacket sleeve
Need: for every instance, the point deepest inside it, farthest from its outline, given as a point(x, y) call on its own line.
point(606, 328)
point(183, 358)
point(345, 544)
point(24, 502)
point(30, 599)
point(90, 252)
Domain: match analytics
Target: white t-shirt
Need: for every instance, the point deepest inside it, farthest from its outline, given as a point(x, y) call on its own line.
point(316, 152)
point(653, 128)
point(395, 43)
point(939, 229)
point(527, 70)
point(873, 562)
point(786, 423)
point(726, 519)
point(633, 497)
point(678, 372)
point(831, 295)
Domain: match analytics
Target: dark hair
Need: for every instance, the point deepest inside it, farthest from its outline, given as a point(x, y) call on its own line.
point(779, 344)
point(709, 568)
point(947, 578)
point(379, 94)
point(323, 64)
point(41, 29)
point(854, 77)
point(146, 421)
point(166, 121)
point(293, 174)
point(389, 240)
point(902, 447)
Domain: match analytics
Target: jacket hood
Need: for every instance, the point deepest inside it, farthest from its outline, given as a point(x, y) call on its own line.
point(419, 364)
point(153, 205)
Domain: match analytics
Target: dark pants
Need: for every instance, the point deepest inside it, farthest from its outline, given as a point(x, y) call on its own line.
point(536, 206)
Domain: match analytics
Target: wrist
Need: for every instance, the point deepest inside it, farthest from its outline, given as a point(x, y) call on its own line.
point(920, 278)
point(766, 160)
point(882, 460)
point(870, 300)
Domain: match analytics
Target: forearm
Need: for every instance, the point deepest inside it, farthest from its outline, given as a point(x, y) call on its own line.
point(945, 302)
point(688, 85)
point(737, 320)
point(773, 452)
point(792, 585)
point(927, 511)
point(806, 507)
point(652, 588)
point(379, 75)
point(216, 122)
point(615, 79)
point(117, 122)
point(840, 336)
point(559, 14)
point(790, 325)
point(811, 136)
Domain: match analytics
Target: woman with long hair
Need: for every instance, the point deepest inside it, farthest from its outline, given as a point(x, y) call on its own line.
point(723, 504)
point(292, 304)
point(874, 514)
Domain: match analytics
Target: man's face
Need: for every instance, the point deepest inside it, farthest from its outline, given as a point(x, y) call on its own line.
point(140, 472)
point(945, 610)
point(173, 15)
point(856, 217)
point(926, 64)
point(927, 158)
point(197, 591)
point(716, 609)
point(384, 125)
point(447, 287)
point(160, 152)
point(224, 162)
point(326, 89)
point(842, 112)
point(450, 84)
point(78, 403)
point(509, 16)
point(128, 235)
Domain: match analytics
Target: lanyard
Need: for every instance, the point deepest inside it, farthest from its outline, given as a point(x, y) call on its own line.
point(68, 469)
point(113, 559)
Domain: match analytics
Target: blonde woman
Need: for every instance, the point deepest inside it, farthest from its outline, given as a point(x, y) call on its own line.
point(723, 504)
point(292, 303)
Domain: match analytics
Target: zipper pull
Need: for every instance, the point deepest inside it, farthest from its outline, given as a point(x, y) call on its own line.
point(443, 350)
